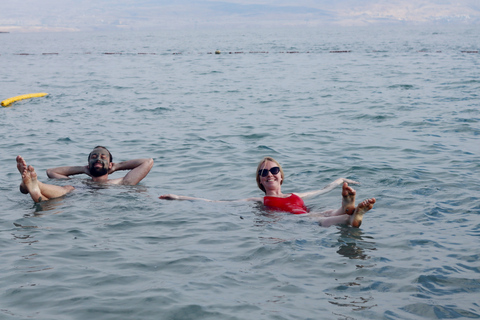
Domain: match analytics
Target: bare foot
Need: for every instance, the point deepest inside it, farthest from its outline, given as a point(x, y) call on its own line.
point(362, 208)
point(22, 166)
point(29, 179)
point(348, 199)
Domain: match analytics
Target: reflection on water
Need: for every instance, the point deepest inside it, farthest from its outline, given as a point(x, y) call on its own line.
point(24, 238)
point(50, 206)
point(353, 303)
point(352, 244)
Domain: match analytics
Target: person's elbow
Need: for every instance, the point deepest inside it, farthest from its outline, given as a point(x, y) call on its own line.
point(149, 164)
point(144, 169)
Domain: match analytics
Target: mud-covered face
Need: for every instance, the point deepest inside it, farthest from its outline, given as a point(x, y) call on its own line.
point(98, 162)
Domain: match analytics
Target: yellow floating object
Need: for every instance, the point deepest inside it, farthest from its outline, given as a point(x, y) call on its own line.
point(9, 101)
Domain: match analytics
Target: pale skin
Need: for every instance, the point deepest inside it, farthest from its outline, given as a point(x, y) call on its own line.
point(39, 191)
point(348, 213)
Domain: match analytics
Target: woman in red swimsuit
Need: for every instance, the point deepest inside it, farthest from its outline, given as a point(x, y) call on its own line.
point(270, 178)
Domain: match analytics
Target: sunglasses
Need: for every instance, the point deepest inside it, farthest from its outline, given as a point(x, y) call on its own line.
point(264, 172)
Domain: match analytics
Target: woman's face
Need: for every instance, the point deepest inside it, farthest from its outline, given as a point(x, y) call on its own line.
point(270, 181)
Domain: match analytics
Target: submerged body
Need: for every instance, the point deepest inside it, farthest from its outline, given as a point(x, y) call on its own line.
point(100, 165)
point(293, 204)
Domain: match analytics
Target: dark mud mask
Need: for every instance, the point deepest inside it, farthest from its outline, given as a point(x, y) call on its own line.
point(98, 162)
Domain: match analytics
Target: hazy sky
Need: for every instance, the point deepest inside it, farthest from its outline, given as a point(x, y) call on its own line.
point(62, 15)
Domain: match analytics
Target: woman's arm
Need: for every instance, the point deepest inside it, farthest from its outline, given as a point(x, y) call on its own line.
point(329, 187)
point(177, 197)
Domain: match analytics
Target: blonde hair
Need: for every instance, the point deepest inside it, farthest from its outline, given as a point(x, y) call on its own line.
point(259, 167)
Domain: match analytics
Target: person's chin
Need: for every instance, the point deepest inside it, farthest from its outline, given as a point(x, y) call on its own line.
point(98, 173)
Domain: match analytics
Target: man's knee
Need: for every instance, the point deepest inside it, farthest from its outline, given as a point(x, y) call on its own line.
point(69, 188)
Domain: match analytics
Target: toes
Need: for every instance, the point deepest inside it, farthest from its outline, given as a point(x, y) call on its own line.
point(367, 204)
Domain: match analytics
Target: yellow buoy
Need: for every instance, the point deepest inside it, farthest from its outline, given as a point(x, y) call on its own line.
point(9, 101)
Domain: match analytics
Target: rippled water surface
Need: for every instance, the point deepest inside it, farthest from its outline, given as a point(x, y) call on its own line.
point(395, 109)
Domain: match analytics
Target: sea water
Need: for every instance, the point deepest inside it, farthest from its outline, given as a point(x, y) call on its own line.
point(394, 108)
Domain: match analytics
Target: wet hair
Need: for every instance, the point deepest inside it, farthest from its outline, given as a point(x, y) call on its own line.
point(259, 167)
point(101, 147)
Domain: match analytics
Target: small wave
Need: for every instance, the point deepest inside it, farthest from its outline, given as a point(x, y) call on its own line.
point(402, 86)
point(434, 311)
point(157, 110)
point(66, 139)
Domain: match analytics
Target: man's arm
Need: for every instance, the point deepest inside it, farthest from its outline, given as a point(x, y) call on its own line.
point(66, 172)
point(139, 169)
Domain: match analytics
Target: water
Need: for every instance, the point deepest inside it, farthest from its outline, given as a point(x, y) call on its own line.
point(398, 113)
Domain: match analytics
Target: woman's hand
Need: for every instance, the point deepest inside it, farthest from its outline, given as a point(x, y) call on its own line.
point(350, 181)
point(169, 197)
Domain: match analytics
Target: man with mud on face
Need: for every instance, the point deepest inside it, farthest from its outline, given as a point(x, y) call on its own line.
point(99, 161)
point(100, 165)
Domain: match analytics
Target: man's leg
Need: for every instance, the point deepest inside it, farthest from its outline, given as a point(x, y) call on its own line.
point(38, 191)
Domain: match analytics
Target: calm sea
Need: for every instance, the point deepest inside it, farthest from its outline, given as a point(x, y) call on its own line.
point(396, 109)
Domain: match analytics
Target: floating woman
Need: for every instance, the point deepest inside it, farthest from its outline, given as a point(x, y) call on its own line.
point(270, 178)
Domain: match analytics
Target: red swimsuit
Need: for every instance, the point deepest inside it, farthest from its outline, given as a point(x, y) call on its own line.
point(293, 204)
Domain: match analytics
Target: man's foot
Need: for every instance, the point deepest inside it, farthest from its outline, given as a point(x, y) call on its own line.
point(22, 166)
point(362, 208)
point(29, 179)
point(348, 199)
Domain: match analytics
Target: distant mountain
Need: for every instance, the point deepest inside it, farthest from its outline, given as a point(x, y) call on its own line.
point(129, 14)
